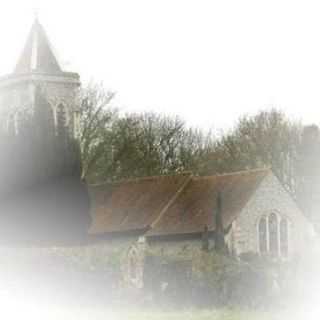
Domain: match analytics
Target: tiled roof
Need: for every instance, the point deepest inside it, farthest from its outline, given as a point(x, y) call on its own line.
point(197, 204)
point(132, 205)
point(167, 205)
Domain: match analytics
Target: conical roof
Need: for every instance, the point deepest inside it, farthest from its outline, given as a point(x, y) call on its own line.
point(37, 55)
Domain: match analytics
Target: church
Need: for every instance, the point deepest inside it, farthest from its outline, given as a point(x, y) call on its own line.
point(42, 193)
point(170, 215)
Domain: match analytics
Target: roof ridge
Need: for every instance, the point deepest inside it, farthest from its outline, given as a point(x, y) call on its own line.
point(145, 178)
point(241, 172)
point(185, 173)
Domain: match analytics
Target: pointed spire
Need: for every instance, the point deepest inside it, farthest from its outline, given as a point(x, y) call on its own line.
point(37, 55)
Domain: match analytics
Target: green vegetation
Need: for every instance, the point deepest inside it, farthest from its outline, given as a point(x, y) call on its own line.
point(224, 314)
point(118, 146)
point(203, 315)
point(99, 314)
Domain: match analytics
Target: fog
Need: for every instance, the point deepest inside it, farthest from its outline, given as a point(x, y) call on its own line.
point(106, 214)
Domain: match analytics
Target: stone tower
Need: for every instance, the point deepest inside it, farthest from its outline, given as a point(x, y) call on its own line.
point(42, 197)
point(38, 69)
point(38, 116)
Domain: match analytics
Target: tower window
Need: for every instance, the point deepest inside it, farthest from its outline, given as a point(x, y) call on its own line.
point(61, 120)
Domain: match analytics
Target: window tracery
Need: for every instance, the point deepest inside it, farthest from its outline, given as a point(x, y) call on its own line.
point(273, 235)
point(61, 120)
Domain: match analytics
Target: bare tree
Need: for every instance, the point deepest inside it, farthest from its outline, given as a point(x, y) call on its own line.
point(96, 119)
point(267, 139)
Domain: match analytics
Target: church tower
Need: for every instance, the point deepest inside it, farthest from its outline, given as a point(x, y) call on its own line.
point(39, 110)
point(42, 197)
point(38, 71)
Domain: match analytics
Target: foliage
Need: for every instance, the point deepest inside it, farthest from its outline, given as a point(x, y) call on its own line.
point(267, 139)
point(96, 119)
point(210, 278)
point(224, 279)
point(133, 145)
point(146, 145)
point(212, 267)
point(213, 314)
point(152, 144)
point(136, 145)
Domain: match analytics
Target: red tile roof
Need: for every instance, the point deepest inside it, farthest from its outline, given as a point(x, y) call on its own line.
point(168, 205)
point(197, 204)
point(132, 205)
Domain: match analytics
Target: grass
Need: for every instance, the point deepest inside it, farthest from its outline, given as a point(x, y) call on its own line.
point(221, 314)
point(196, 315)
point(85, 313)
point(200, 315)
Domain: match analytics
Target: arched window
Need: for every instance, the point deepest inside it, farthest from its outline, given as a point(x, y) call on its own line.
point(284, 237)
point(263, 235)
point(133, 261)
point(273, 234)
point(61, 120)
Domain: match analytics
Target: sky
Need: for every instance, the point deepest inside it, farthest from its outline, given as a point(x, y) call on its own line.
point(207, 61)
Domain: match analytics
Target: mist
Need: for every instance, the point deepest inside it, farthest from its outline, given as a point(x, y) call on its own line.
point(133, 215)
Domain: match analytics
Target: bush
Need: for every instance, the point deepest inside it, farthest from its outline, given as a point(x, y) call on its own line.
point(223, 280)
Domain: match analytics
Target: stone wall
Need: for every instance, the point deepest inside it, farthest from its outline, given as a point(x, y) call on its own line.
point(270, 197)
point(133, 249)
point(21, 98)
point(178, 248)
point(125, 253)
